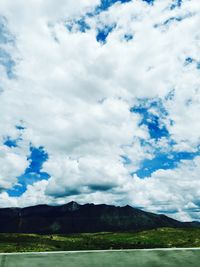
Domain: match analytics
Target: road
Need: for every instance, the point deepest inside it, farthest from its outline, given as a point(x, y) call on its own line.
point(132, 258)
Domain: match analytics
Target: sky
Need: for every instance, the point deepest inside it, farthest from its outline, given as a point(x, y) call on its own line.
point(100, 103)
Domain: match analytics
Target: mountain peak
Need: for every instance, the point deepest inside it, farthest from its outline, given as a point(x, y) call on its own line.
point(72, 206)
point(75, 218)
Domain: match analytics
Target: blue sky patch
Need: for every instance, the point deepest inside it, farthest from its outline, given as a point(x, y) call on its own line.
point(170, 95)
point(169, 21)
point(126, 160)
point(83, 25)
point(190, 60)
point(163, 161)
point(172, 19)
point(153, 121)
point(80, 25)
point(103, 33)
point(150, 2)
point(9, 142)
point(37, 157)
point(33, 173)
point(176, 3)
point(20, 128)
point(128, 37)
point(152, 113)
point(106, 4)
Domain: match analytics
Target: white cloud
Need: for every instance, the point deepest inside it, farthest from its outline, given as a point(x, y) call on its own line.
point(12, 163)
point(171, 190)
point(74, 97)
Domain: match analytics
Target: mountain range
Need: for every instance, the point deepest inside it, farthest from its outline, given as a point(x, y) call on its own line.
point(75, 218)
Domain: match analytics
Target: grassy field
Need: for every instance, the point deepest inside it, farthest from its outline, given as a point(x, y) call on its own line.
point(158, 238)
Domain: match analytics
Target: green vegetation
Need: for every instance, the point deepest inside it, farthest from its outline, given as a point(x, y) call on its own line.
point(158, 238)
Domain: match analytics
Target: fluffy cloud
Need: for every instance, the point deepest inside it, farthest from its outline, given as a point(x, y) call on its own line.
point(171, 191)
point(73, 95)
point(12, 164)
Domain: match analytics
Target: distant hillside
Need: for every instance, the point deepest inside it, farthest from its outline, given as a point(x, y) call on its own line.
point(157, 238)
point(75, 218)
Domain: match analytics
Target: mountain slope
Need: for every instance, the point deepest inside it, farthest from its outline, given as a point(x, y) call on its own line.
point(75, 218)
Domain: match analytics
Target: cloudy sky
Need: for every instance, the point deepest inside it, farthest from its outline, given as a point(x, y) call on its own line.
point(100, 102)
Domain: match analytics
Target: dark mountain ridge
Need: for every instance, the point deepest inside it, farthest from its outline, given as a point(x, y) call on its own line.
point(75, 218)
